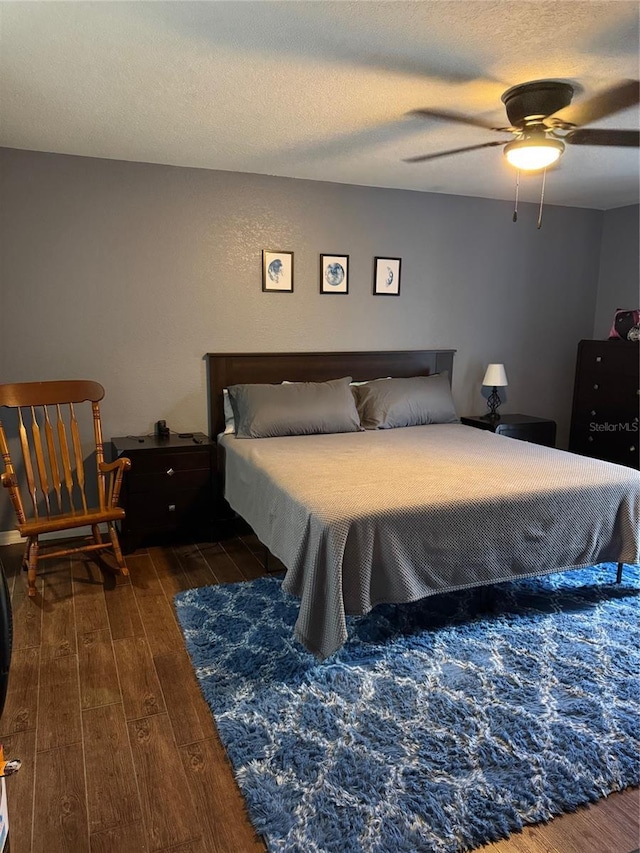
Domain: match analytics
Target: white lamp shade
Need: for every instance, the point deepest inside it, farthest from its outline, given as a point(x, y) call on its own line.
point(495, 375)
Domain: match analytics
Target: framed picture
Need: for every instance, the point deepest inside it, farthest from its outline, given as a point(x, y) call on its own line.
point(277, 271)
point(334, 273)
point(386, 276)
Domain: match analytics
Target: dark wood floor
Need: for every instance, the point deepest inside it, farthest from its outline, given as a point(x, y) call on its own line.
point(120, 753)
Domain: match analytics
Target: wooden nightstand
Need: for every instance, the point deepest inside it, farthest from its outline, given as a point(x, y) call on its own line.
point(170, 489)
point(524, 427)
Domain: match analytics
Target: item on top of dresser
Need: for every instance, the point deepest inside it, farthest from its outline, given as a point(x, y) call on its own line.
point(625, 320)
point(162, 430)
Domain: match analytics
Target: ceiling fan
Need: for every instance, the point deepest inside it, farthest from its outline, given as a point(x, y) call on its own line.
point(542, 121)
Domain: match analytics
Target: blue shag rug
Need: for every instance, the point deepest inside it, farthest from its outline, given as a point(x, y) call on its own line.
point(439, 725)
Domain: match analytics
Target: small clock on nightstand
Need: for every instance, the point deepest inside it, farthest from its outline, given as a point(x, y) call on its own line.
point(523, 427)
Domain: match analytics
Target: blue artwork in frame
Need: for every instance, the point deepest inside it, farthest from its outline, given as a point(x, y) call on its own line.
point(386, 276)
point(334, 273)
point(277, 271)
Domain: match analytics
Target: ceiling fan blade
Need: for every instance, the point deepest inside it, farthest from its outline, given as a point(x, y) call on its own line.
point(619, 97)
point(424, 157)
point(592, 136)
point(445, 115)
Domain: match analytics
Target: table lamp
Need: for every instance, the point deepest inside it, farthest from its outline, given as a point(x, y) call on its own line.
point(496, 377)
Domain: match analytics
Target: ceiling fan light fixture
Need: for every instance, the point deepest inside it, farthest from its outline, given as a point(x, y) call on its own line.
point(533, 153)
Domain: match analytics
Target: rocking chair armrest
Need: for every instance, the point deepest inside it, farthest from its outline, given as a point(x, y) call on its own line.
point(116, 469)
point(122, 462)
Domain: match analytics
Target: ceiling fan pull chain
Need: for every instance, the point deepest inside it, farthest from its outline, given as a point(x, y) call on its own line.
point(515, 210)
point(544, 180)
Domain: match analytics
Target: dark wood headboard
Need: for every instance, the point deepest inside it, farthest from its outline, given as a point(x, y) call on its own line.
point(224, 369)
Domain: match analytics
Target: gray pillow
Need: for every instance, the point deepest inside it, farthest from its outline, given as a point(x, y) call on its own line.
point(388, 403)
point(299, 408)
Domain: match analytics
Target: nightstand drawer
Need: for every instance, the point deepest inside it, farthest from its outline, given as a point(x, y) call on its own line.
point(621, 447)
point(167, 511)
point(155, 462)
point(168, 481)
point(537, 433)
point(523, 427)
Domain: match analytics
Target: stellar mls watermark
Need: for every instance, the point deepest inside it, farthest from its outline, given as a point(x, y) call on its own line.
point(621, 426)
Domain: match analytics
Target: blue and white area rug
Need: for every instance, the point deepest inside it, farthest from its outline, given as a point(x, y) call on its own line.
point(439, 725)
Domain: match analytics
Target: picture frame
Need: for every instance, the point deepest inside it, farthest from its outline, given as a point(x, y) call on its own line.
point(334, 273)
point(386, 276)
point(277, 271)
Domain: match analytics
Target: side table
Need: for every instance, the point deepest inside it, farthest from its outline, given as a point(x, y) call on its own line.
point(523, 427)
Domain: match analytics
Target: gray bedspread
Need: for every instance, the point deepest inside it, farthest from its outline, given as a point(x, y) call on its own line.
point(396, 515)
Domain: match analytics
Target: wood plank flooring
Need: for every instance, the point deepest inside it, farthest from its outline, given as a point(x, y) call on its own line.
point(120, 752)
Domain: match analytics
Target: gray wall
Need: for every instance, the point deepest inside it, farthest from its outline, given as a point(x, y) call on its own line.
point(128, 273)
point(619, 257)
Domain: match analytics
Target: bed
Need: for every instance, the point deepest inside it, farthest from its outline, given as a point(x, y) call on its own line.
point(395, 515)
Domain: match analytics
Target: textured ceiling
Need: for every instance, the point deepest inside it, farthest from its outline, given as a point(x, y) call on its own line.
point(316, 90)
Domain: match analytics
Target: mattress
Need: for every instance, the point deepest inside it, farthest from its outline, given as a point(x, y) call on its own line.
point(397, 515)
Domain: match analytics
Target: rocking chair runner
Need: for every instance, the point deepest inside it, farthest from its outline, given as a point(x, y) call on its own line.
point(57, 499)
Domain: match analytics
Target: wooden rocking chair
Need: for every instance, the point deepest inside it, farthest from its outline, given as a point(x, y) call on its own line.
point(57, 499)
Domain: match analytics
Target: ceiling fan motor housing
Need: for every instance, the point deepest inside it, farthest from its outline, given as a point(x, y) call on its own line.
point(536, 100)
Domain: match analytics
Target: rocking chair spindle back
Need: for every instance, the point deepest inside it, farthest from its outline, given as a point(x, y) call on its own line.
point(49, 491)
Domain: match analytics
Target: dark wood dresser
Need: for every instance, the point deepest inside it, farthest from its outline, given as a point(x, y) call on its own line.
point(606, 397)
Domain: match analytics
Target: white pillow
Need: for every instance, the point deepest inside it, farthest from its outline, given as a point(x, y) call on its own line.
point(229, 422)
point(367, 381)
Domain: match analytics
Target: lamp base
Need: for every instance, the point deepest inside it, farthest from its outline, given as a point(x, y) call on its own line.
point(493, 402)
